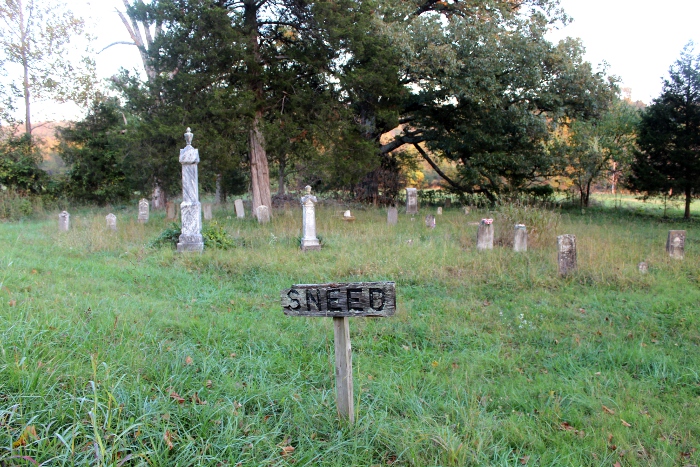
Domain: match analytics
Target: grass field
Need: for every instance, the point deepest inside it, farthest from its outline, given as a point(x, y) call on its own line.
point(112, 353)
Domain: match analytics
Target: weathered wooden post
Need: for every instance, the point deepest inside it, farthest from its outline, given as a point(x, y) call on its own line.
point(341, 301)
point(566, 256)
point(675, 244)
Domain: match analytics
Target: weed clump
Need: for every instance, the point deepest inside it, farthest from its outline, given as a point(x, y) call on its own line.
point(541, 224)
point(215, 236)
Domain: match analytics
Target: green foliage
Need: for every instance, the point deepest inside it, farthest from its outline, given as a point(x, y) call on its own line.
point(95, 149)
point(19, 165)
point(542, 224)
point(169, 236)
point(216, 236)
point(14, 206)
point(668, 159)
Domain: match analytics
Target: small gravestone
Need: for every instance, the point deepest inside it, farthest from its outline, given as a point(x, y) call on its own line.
point(64, 222)
point(170, 211)
point(439, 211)
point(484, 236)
point(348, 217)
point(392, 215)
point(190, 210)
point(430, 221)
point(206, 209)
point(411, 201)
point(263, 214)
point(341, 302)
point(520, 239)
point(240, 211)
point(111, 221)
point(143, 211)
point(675, 244)
point(643, 267)
point(309, 241)
point(448, 203)
point(465, 209)
point(566, 257)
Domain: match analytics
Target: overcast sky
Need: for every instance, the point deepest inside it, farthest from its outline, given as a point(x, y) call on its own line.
point(639, 39)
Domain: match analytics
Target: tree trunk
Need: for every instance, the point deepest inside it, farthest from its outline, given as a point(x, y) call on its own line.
point(688, 199)
point(25, 64)
point(259, 171)
point(217, 194)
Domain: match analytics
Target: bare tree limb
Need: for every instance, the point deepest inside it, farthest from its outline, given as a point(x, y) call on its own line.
point(435, 167)
point(116, 43)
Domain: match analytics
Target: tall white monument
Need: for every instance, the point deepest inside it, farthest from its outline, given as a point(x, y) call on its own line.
point(190, 209)
point(309, 240)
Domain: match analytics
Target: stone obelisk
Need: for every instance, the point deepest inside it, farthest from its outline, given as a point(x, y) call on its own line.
point(190, 209)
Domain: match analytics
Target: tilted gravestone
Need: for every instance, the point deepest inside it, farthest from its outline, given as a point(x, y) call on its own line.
point(308, 217)
point(566, 256)
point(190, 209)
point(143, 210)
point(675, 244)
point(111, 220)
point(240, 211)
point(430, 221)
point(64, 222)
point(484, 236)
point(520, 239)
point(341, 301)
point(411, 201)
point(392, 215)
point(263, 214)
point(206, 208)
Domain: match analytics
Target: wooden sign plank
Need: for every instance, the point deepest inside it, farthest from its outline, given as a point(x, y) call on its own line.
point(336, 300)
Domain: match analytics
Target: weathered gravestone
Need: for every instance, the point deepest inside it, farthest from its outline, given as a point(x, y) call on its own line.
point(566, 257)
point(439, 211)
point(675, 244)
point(411, 201)
point(484, 236)
point(263, 214)
point(448, 203)
point(341, 301)
point(111, 220)
point(240, 211)
point(170, 210)
point(158, 197)
point(392, 215)
point(430, 221)
point(520, 239)
point(206, 209)
point(643, 267)
point(143, 210)
point(190, 209)
point(64, 222)
point(308, 219)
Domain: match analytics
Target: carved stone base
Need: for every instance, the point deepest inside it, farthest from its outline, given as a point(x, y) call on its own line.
point(310, 245)
point(190, 243)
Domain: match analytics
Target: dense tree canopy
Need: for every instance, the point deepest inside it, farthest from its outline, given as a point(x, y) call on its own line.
point(668, 159)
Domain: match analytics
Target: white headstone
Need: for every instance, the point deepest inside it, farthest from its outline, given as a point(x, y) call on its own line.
point(64, 222)
point(347, 213)
point(111, 221)
point(263, 214)
point(143, 210)
point(439, 211)
point(240, 211)
point(309, 241)
point(190, 209)
point(520, 240)
point(484, 236)
point(392, 215)
point(675, 244)
point(411, 201)
point(206, 208)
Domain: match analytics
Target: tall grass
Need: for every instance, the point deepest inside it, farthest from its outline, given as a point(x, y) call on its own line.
point(112, 353)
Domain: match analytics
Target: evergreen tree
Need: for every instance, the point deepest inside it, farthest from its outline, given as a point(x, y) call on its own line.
point(668, 159)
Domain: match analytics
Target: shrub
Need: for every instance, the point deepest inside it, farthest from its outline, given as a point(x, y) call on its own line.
point(215, 236)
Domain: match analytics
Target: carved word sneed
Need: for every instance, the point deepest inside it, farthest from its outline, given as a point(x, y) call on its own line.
point(337, 300)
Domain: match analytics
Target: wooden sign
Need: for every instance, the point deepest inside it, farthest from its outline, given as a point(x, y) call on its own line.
point(341, 301)
point(338, 300)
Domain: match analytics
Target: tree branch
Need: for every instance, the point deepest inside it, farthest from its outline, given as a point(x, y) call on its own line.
point(427, 158)
point(116, 43)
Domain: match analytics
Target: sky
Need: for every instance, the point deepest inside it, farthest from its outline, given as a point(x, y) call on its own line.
point(639, 40)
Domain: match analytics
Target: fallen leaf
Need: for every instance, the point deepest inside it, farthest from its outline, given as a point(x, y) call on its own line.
point(33, 271)
point(188, 360)
point(209, 384)
point(617, 464)
point(608, 410)
point(12, 302)
point(168, 438)
point(177, 397)
point(29, 431)
point(566, 426)
point(524, 459)
point(197, 400)
point(287, 450)
point(625, 423)
point(434, 363)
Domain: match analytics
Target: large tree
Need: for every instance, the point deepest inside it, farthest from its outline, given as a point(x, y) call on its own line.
point(36, 35)
point(668, 159)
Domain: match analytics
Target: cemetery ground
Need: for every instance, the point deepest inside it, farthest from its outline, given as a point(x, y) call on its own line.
point(114, 353)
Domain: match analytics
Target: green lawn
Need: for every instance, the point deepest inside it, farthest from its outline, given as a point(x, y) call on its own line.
point(115, 354)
